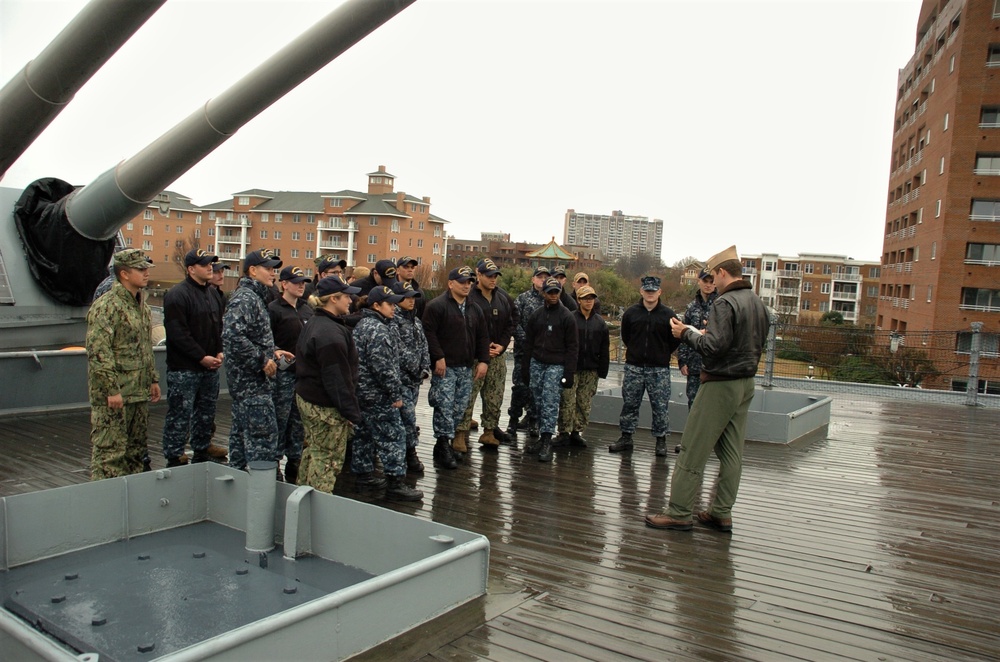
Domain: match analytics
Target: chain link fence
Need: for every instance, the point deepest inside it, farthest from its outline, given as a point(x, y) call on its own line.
point(952, 366)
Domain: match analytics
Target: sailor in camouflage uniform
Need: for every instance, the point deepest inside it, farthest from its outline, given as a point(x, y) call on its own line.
point(592, 365)
point(526, 303)
point(414, 365)
point(648, 345)
point(696, 315)
point(501, 319)
point(248, 345)
point(458, 341)
point(551, 346)
point(380, 394)
point(121, 374)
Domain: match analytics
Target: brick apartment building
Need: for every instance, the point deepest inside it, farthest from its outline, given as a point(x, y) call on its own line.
point(615, 235)
point(803, 287)
point(941, 252)
point(359, 227)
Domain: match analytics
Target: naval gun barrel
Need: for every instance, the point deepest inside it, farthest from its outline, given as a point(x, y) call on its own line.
point(42, 89)
point(98, 210)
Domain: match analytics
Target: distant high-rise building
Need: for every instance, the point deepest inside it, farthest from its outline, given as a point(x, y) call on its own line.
point(615, 234)
point(941, 252)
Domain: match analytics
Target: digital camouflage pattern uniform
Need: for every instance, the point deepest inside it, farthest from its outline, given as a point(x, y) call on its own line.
point(414, 363)
point(379, 386)
point(520, 396)
point(248, 345)
point(119, 360)
point(697, 316)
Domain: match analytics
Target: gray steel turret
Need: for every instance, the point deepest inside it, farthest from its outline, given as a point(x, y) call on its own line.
point(64, 236)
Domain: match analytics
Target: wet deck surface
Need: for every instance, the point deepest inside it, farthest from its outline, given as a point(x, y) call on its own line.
point(879, 542)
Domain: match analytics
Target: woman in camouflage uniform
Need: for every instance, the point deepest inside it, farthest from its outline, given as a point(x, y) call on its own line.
point(380, 394)
point(326, 374)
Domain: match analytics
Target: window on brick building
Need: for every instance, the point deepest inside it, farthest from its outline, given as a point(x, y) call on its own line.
point(983, 254)
point(993, 56)
point(981, 299)
point(985, 210)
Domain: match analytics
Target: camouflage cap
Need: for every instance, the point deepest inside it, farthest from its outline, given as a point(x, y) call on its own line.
point(133, 258)
point(650, 284)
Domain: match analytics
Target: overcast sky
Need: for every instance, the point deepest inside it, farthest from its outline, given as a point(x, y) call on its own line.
point(764, 124)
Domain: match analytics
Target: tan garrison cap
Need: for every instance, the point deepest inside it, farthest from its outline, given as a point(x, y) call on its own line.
point(717, 259)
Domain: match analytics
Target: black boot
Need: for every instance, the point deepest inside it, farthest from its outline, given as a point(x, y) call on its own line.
point(397, 490)
point(623, 444)
point(413, 463)
point(501, 436)
point(292, 471)
point(369, 481)
point(545, 449)
point(561, 440)
point(533, 427)
point(661, 447)
point(576, 441)
point(533, 446)
point(443, 457)
point(512, 427)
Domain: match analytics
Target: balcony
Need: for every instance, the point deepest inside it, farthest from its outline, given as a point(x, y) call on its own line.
point(228, 240)
point(790, 273)
point(841, 295)
point(980, 309)
point(345, 227)
point(984, 263)
point(749, 271)
point(229, 223)
point(788, 291)
point(854, 278)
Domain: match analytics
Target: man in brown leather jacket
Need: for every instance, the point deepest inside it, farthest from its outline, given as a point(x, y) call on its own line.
point(731, 347)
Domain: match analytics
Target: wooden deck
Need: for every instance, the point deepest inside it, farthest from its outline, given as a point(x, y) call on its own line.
point(879, 542)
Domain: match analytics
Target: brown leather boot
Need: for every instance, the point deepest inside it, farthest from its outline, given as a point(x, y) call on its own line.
point(458, 445)
point(489, 439)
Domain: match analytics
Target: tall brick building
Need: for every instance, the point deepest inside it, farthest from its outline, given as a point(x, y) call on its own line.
point(941, 252)
point(359, 227)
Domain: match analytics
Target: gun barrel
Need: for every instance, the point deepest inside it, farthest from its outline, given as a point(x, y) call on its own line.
point(42, 89)
point(99, 209)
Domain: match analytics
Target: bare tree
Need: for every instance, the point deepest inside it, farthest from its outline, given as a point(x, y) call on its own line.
point(181, 248)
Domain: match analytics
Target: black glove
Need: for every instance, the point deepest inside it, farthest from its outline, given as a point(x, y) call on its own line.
point(567, 381)
point(526, 376)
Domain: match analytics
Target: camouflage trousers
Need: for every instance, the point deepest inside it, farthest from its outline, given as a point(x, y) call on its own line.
point(574, 407)
point(254, 432)
point(191, 400)
point(491, 388)
point(326, 433)
point(286, 414)
point(655, 381)
point(118, 440)
point(409, 413)
point(694, 381)
point(546, 391)
point(449, 396)
point(381, 431)
point(520, 392)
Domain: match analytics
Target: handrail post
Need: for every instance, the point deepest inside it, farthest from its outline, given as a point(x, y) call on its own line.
point(972, 387)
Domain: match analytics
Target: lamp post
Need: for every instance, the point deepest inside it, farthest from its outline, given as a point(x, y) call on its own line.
point(811, 371)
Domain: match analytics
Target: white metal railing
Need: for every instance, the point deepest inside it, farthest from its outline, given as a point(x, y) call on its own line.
point(749, 271)
point(985, 263)
point(845, 296)
point(788, 291)
point(234, 224)
point(983, 217)
point(989, 125)
point(981, 309)
point(789, 273)
point(986, 171)
point(850, 277)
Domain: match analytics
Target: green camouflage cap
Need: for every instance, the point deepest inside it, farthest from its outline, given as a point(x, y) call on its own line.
point(132, 257)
